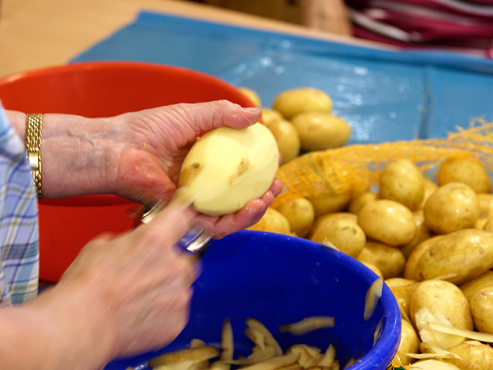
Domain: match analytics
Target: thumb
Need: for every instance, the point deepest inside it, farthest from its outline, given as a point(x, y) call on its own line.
point(220, 113)
point(171, 224)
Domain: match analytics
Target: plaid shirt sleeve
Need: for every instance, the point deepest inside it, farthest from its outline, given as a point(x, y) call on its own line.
point(19, 251)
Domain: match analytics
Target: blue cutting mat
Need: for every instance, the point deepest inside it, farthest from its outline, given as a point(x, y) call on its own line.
point(385, 95)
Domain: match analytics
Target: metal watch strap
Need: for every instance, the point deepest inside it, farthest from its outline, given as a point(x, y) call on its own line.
point(34, 128)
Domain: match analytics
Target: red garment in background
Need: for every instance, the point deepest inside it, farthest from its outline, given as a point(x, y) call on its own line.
point(452, 25)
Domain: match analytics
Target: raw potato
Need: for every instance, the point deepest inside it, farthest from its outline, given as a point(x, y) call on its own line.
point(321, 131)
point(373, 268)
point(485, 205)
point(416, 254)
point(467, 170)
point(287, 139)
point(488, 225)
point(402, 182)
point(474, 356)
point(300, 214)
point(330, 203)
point(482, 308)
point(461, 256)
point(453, 206)
point(409, 343)
point(387, 221)
point(276, 221)
point(422, 234)
point(270, 115)
point(480, 223)
point(252, 95)
point(358, 202)
point(344, 234)
point(332, 216)
point(226, 168)
point(295, 101)
point(403, 290)
point(470, 287)
point(430, 188)
point(389, 260)
point(445, 298)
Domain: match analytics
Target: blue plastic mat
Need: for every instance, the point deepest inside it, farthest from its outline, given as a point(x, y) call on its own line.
point(385, 95)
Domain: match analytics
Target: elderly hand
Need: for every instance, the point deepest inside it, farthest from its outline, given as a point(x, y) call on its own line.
point(121, 296)
point(138, 155)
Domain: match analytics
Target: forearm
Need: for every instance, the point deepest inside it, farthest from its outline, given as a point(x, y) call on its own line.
point(59, 330)
point(75, 154)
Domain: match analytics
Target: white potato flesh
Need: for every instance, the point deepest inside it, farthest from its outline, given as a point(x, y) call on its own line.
point(226, 168)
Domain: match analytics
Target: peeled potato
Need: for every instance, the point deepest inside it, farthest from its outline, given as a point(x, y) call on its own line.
point(226, 168)
point(252, 95)
point(295, 101)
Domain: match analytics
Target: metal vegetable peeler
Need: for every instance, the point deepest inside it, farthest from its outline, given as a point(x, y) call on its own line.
point(196, 240)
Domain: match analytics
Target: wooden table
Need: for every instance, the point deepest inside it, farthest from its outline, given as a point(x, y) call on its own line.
point(41, 33)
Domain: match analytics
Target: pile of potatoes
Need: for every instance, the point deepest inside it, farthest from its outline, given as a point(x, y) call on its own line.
point(301, 121)
point(431, 242)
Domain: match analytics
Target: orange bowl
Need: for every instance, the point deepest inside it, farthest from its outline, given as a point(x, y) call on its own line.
point(99, 89)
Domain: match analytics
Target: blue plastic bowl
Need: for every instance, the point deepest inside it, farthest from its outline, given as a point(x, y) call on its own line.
point(278, 279)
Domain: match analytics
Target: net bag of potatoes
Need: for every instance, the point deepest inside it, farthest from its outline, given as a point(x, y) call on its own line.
point(332, 177)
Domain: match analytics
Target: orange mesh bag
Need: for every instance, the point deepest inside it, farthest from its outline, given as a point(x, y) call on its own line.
point(357, 167)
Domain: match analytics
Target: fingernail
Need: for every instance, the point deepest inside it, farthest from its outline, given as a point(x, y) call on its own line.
point(251, 109)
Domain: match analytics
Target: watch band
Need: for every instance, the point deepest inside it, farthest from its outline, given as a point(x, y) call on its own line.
point(34, 128)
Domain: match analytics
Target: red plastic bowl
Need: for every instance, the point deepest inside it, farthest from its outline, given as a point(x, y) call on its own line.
point(99, 89)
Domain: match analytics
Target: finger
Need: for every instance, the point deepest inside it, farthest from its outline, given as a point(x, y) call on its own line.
point(169, 226)
point(221, 113)
point(249, 215)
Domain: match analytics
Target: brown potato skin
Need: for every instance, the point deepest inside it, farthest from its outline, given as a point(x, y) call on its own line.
point(330, 203)
point(344, 234)
point(482, 308)
point(444, 297)
point(402, 182)
point(474, 356)
point(387, 221)
point(469, 288)
point(453, 206)
point(409, 343)
point(287, 139)
point(465, 254)
point(390, 261)
point(300, 214)
point(321, 131)
point(430, 188)
point(485, 205)
point(422, 234)
point(403, 290)
point(300, 100)
point(269, 116)
point(467, 170)
point(358, 202)
point(413, 259)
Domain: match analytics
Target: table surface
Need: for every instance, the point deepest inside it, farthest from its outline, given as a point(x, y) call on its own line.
point(35, 34)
